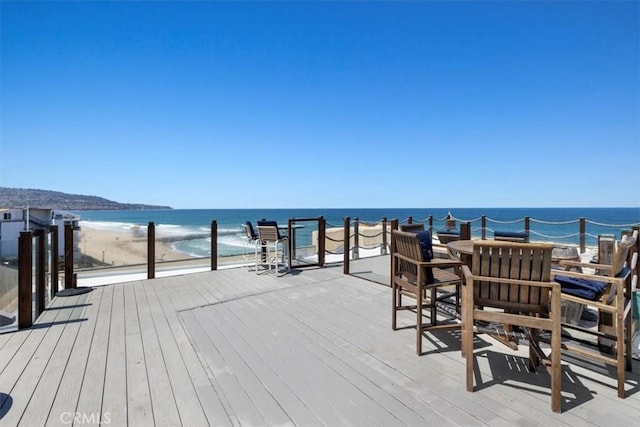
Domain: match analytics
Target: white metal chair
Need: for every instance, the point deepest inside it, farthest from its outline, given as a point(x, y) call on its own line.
point(271, 253)
point(249, 247)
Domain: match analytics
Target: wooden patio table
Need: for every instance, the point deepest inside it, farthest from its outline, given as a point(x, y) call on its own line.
point(463, 249)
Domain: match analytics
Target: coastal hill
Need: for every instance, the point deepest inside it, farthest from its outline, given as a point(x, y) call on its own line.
point(24, 197)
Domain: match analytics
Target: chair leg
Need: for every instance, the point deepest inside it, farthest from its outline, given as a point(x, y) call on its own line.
point(467, 321)
point(620, 354)
point(433, 306)
point(419, 323)
point(556, 376)
point(628, 350)
point(394, 306)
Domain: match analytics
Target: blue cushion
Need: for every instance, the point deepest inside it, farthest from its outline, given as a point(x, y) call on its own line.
point(427, 251)
point(427, 246)
point(582, 288)
point(513, 234)
point(453, 231)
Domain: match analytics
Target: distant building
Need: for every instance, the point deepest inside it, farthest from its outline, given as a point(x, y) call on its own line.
point(15, 220)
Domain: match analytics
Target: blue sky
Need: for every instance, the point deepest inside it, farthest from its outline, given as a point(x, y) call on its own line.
point(324, 104)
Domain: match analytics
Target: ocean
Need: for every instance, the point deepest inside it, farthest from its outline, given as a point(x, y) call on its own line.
point(558, 225)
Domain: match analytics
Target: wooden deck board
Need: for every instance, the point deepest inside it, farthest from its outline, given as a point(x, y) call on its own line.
point(187, 403)
point(48, 385)
point(115, 377)
point(290, 343)
point(42, 343)
point(66, 399)
point(163, 403)
point(139, 409)
point(313, 347)
point(92, 390)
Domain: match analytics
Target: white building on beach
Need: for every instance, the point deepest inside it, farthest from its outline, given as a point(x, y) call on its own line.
point(15, 220)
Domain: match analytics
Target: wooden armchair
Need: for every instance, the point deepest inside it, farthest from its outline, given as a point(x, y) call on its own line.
point(509, 284)
point(610, 294)
point(416, 274)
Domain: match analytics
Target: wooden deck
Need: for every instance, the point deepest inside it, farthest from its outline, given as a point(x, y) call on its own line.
point(313, 347)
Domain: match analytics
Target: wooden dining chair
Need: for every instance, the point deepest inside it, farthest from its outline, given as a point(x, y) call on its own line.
point(509, 285)
point(609, 292)
point(427, 280)
point(415, 227)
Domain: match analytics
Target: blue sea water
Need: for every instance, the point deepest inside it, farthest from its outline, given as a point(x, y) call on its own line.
point(547, 224)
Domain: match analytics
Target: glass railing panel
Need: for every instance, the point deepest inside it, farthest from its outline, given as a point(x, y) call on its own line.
point(8, 285)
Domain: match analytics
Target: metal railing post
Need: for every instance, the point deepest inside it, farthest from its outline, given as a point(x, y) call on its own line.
point(583, 232)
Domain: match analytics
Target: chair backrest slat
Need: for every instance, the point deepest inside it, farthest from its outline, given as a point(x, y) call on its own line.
point(268, 233)
point(412, 228)
point(408, 245)
point(520, 261)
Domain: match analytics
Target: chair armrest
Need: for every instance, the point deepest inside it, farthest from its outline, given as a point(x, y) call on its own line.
point(569, 263)
point(410, 260)
point(598, 278)
point(443, 263)
point(466, 273)
point(534, 283)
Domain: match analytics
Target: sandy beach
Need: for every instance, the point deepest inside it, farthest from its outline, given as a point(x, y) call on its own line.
point(122, 248)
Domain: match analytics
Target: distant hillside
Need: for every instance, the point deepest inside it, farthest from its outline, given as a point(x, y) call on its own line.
point(23, 197)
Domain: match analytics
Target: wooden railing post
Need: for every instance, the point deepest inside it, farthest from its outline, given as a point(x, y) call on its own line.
point(483, 225)
point(637, 227)
point(410, 220)
point(68, 257)
point(383, 248)
point(465, 231)
point(214, 245)
point(356, 238)
point(345, 247)
point(25, 260)
point(583, 235)
point(394, 226)
point(41, 279)
point(54, 260)
point(431, 225)
point(527, 226)
point(151, 251)
point(322, 235)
